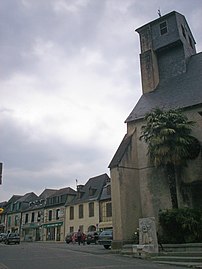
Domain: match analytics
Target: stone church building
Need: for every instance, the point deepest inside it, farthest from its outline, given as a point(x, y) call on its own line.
point(171, 73)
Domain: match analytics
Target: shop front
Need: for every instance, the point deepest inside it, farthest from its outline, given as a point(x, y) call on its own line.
point(53, 231)
point(32, 232)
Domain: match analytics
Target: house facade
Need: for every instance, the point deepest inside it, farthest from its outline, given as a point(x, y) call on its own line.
point(54, 213)
point(171, 73)
point(33, 218)
point(84, 211)
point(14, 209)
point(105, 221)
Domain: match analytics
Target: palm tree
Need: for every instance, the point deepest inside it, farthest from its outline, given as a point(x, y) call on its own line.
point(170, 144)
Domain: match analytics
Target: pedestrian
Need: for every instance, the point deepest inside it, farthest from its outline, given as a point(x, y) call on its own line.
point(83, 238)
point(79, 236)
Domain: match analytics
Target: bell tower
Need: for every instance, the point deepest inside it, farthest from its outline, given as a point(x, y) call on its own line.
point(166, 45)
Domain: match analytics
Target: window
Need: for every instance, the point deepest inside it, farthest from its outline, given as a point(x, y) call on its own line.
point(16, 220)
point(50, 213)
point(92, 191)
point(26, 218)
point(57, 213)
point(80, 211)
point(71, 212)
point(71, 229)
point(81, 228)
point(32, 219)
point(91, 209)
point(63, 198)
point(39, 216)
point(9, 221)
point(55, 200)
point(109, 209)
point(163, 28)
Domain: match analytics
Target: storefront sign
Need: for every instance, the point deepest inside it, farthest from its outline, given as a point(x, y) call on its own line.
point(56, 224)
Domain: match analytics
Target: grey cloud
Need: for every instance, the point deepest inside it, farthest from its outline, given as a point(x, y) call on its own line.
point(18, 150)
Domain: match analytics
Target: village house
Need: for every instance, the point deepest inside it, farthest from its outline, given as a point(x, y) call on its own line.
point(105, 221)
point(13, 212)
point(84, 211)
point(54, 214)
point(33, 217)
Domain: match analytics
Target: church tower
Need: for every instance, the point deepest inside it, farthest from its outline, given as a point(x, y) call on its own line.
point(166, 45)
point(171, 78)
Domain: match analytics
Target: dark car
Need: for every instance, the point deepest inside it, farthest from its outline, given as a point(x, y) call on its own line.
point(105, 238)
point(92, 237)
point(12, 238)
point(2, 236)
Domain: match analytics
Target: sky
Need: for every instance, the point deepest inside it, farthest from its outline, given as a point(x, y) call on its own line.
point(69, 78)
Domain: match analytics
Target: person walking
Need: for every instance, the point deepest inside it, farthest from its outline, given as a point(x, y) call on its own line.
point(79, 236)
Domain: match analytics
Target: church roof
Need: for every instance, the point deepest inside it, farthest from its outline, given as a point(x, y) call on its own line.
point(182, 91)
point(121, 151)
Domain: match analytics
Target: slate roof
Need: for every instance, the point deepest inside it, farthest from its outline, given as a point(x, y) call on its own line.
point(14, 198)
point(121, 151)
point(105, 194)
point(182, 91)
point(97, 183)
point(63, 191)
point(46, 193)
point(30, 196)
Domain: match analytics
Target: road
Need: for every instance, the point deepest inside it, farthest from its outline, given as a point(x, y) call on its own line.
point(61, 256)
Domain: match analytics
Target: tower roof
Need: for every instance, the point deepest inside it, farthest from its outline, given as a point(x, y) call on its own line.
point(182, 91)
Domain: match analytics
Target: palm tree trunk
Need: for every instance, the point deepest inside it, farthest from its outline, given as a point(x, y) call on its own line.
point(170, 170)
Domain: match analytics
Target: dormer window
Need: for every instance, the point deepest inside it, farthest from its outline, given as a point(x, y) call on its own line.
point(163, 28)
point(80, 195)
point(91, 191)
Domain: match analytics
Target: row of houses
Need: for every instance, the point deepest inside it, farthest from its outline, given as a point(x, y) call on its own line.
point(54, 213)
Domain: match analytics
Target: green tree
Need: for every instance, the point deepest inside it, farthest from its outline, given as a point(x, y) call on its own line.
point(170, 144)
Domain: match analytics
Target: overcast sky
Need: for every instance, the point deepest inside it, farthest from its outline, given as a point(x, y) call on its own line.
point(69, 77)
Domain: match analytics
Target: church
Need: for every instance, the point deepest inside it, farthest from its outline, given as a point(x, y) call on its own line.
point(171, 74)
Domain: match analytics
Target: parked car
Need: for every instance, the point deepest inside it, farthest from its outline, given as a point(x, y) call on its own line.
point(72, 238)
point(12, 238)
point(2, 236)
point(105, 238)
point(92, 237)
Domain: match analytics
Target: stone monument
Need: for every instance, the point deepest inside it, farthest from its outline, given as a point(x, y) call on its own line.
point(148, 242)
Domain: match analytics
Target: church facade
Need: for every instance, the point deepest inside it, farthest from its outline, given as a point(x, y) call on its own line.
point(171, 73)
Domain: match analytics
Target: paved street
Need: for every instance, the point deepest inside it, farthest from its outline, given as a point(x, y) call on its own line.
point(61, 256)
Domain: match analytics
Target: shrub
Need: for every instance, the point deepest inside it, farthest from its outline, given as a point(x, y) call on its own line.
point(182, 225)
